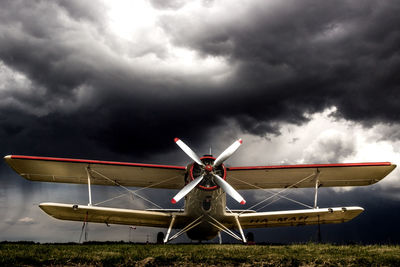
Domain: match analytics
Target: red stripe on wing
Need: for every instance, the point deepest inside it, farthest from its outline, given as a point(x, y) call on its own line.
point(310, 166)
point(99, 162)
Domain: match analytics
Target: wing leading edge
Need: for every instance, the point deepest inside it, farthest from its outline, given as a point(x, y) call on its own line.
point(64, 170)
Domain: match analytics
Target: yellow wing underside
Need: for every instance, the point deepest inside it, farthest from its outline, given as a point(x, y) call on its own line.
point(95, 214)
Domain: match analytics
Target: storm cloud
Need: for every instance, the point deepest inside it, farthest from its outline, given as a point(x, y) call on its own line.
point(86, 79)
point(283, 60)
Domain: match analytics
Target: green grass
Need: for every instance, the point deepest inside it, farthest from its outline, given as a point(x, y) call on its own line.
point(22, 254)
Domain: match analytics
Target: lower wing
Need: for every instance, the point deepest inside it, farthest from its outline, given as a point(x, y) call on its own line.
point(83, 213)
point(294, 217)
point(162, 219)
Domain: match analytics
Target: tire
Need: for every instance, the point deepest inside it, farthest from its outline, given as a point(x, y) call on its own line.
point(250, 237)
point(160, 238)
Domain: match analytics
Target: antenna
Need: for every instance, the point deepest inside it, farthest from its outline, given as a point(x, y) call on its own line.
point(210, 151)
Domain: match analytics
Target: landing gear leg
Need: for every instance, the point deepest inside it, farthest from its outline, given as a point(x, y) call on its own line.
point(184, 230)
point(240, 229)
point(169, 229)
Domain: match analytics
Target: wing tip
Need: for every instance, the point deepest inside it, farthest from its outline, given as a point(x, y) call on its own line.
point(243, 202)
point(240, 141)
point(9, 160)
point(45, 206)
point(173, 201)
point(176, 139)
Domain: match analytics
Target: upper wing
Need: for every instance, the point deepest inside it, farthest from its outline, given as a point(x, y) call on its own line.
point(294, 217)
point(62, 170)
point(95, 214)
point(345, 174)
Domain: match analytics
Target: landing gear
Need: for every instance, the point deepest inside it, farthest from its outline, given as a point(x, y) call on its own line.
point(250, 238)
point(160, 238)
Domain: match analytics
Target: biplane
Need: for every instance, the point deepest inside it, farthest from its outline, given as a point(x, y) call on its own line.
point(203, 184)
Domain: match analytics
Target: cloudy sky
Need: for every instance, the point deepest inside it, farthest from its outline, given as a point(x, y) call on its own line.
point(298, 81)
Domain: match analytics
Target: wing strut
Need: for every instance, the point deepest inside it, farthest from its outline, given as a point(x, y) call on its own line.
point(89, 187)
point(127, 189)
point(279, 192)
point(240, 229)
point(317, 185)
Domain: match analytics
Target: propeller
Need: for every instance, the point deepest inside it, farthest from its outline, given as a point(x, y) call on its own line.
point(209, 169)
point(227, 153)
point(188, 151)
point(185, 190)
point(229, 189)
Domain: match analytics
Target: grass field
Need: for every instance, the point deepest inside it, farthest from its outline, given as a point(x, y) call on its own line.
point(12, 254)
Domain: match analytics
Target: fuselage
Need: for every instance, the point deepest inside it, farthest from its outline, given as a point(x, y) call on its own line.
point(207, 200)
point(209, 204)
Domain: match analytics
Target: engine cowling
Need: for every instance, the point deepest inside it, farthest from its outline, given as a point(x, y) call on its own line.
point(208, 183)
point(207, 173)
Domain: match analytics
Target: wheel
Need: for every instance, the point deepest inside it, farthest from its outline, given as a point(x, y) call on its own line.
point(160, 238)
point(250, 238)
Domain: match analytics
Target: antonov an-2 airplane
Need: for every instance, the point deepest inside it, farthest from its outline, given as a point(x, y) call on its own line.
point(204, 185)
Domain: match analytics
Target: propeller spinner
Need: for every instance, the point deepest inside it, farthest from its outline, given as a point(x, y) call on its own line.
point(208, 169)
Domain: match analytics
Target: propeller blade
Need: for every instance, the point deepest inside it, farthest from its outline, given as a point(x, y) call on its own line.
point(229, 189)
point(185, 190)
point(188, 151)
point(228, 152)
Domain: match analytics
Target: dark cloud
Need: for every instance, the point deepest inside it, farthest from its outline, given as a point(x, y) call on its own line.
point(295, 58)
point(291, 59)
point(93, 11)
point(71, 88)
